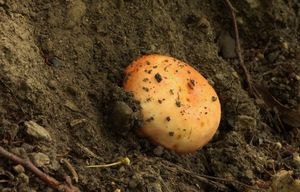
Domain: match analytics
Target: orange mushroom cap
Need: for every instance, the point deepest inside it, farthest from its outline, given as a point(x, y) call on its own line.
point(181, 111)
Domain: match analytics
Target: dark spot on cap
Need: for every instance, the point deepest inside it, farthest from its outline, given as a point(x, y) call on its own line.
point(168, 118)
point(145, 89)
point(149, 72)
point(214, 98)
point(178, 136)
point(145, 79)
point(176, 71)
point(150, 119)
point(171, 133)
point(205, 107)
point(158, 78)
point(148, 99)
point(166, 60)
point(171, 91)
point(159, 101)
point(154, 67)
point(205, 113)
point(147, 62)
point(191, 83)
point(184, 129)
point(178, 103)
point(188, 72)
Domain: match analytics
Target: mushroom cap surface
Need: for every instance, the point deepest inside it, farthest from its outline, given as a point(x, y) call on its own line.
point(181, 110)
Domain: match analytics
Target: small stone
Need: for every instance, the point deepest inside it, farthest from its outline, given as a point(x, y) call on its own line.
point(77, 122)
point(260, 56)
point(278, 145)
point(120, 117)
point(227, 45)
point(158, 151)
point(296, 159)
point(29, 148)
point(133, 183)
point(220, 77)
point(253, 3)
point(35, 130)
point(24, 178)
point(19, 169)
point(52, 84)
point(40, 159)
point(55, 62)
point(154, 187)
point(270, 163)
point(19, 151)
point(55, 165)
point(285, 45)
point(69, 104)
point(76, 9)
point(249, 174)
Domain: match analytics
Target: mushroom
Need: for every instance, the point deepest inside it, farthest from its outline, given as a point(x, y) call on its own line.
point(181, 111)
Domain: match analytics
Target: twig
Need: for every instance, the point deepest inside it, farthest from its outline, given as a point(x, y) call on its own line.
point(175, 168)
point(65, 187)
point(71, 169)
point(238, 47)
point(229, 180)
point(216, 185)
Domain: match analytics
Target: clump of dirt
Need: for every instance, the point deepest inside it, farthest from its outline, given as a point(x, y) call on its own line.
point(62, 63)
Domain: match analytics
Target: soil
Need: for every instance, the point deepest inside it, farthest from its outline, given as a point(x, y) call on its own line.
point(62, 64)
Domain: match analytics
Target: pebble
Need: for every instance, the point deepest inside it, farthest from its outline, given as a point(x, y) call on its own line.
point(24, 178)
point(19, 151)
point(55, 62)
point(121, 117)
point(158, 151)
point(55, 165)
point(75, 11)
point(296, 159)
point(227, 45)
point(19, 169)
point(253, 3)
point(154, 187)
point(133, 183)
point(40, 159)
point(35, 130)
point(278, 145)
point(52, 84)
point(69, 104)
point(249, 174)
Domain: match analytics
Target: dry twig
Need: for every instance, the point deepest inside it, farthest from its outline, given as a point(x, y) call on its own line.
point(71, 169)
point(238, 47)
point(65, 187)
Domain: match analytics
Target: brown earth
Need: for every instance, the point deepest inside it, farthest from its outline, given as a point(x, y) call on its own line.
point(62, 63)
